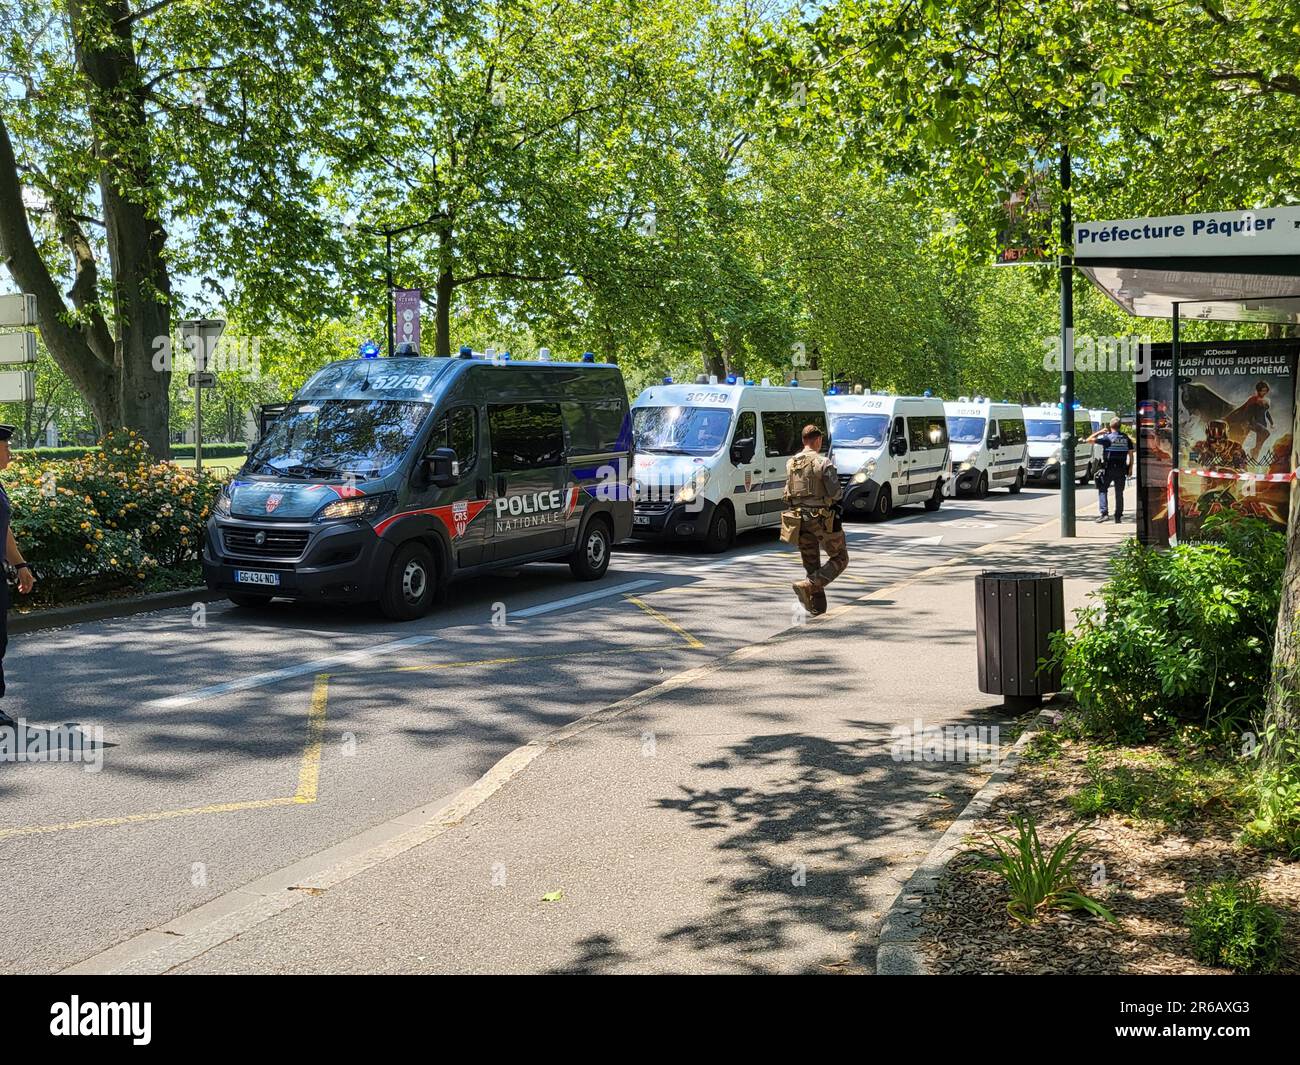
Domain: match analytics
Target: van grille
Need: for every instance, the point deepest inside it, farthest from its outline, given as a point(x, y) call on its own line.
point(276, 543)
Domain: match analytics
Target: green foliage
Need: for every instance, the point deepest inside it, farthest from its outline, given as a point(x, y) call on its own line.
point(114, 514)
point(1040, 880)
point(1157, 787)
point(1275, 791)
point(1231, 926)
point(1184, 634)
point(179, 451)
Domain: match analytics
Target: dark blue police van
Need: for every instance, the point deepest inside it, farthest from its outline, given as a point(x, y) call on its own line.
point(385, 478)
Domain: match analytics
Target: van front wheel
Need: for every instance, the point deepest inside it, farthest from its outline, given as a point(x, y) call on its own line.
point(1020, 482)
point(722, 530)
point(591, 558)
point(884, 505)
point(410, 585)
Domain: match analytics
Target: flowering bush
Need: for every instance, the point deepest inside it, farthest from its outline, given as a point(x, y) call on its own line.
point(115, 514)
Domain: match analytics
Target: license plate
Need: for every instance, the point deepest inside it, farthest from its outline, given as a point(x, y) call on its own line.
point(243, 576)
point(638, 520)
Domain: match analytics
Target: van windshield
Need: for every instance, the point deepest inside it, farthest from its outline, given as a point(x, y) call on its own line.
point(965, 430)
point(859, 430)
point(338, 437)
point(1043, 429)
point(680, 430)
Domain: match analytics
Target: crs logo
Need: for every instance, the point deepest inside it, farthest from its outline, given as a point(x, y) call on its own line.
point(273, 501)
point(460, 515)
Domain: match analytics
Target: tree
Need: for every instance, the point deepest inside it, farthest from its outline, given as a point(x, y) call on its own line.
point(121, 125)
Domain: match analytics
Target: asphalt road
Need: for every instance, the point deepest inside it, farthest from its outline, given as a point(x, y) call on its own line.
point(236, 743)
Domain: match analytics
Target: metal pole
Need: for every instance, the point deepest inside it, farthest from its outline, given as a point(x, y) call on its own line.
point(388, 258)
point(1173, 459)
point(198, 415)
point(1067, 353)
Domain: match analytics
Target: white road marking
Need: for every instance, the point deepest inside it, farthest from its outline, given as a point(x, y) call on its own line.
point(574, 600)
point(321, 665)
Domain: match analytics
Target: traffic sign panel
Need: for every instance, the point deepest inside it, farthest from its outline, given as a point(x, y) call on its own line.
point(19, 309)
point(206, 379)
point(17, 387)
point(17, 347)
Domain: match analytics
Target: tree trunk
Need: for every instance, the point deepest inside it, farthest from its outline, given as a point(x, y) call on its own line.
point(1282, 713)
point(141, 285)
point(715, 364)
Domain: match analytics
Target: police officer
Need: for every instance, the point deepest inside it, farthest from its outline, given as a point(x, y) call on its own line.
point(14, 558)
point(812, 488)
point(1116, 466)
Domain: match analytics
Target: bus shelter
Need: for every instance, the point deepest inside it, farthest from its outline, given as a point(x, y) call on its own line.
point(1214, 418)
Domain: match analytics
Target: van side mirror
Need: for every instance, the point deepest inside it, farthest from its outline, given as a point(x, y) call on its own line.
point(742, 450)
point(898, 446)
point(995, 441)
point(440, 469)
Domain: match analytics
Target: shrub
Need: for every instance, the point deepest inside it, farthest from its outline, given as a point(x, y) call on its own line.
point(1039, 881)
point(114, 513)
point(1231, 926)
point(1184, 634)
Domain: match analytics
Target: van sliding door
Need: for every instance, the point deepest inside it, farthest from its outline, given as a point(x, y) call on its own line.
point(528, 484)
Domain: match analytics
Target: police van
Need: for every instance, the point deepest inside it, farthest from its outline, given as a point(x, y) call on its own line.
point(889, 450)
point(384, 479)
point(710, 457)
point(1043, 427)
point(988, 446)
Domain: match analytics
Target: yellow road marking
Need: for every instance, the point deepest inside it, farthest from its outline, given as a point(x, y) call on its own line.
point(309, 768)
point(664, 620)
point(308, 782)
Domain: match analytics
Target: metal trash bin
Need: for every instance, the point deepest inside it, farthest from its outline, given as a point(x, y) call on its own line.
point(1015, 611)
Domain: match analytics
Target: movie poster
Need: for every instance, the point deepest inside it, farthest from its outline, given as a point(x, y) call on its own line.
point(1236, 407)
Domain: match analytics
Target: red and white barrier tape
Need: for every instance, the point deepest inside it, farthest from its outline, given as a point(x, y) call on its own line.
point(1171, 497)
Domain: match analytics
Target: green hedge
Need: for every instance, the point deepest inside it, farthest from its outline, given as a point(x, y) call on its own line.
point(179, 451)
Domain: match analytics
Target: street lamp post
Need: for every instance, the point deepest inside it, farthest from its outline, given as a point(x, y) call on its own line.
point(1067, 353)
point(201, 336)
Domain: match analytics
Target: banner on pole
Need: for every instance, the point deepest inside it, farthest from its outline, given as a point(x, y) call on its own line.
point(406, 311)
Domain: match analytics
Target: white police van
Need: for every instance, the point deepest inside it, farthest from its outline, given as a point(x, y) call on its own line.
point(1043, 427)
point(889, 450)
point(709, 457)
point(988, 446)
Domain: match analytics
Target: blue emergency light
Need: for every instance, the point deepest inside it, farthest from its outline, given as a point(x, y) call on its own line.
point(832, 391)
point(370, 350)
point(588, 356)
point(927, 393)
point(749, 382)
point(731, 378)
point(466, 352)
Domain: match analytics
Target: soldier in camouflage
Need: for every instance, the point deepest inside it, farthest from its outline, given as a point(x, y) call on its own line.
point(812, 488)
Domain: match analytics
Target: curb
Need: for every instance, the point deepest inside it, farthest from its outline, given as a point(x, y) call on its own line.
point(104, 609)
point(900, 928)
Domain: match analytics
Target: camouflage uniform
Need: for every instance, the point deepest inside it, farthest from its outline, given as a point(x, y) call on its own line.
point(811, 486)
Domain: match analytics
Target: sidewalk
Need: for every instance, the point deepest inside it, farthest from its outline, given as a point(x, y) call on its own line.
point(748, 819)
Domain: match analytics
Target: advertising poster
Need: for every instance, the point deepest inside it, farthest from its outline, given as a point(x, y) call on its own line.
point(1236, 407)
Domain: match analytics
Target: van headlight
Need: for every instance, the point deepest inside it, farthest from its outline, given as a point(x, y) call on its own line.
point(863, 475)
point(357, 507)
point(221, 507)
point(967, 465)
point(693, 488)
point(1055, 456)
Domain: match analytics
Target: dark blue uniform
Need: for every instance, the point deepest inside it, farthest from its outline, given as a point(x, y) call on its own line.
point(1114, 469)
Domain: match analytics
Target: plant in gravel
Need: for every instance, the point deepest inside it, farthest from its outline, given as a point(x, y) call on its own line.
point(1149, 784)
point(1044, 747)
point(1275, 791)
point(1179, 635)
point(1040, 880)
point(1231, 926)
